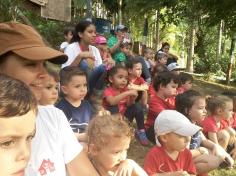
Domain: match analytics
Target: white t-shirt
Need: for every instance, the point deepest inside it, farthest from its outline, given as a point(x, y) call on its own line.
point(64, 45)
point(54, 144)
point(73, 50)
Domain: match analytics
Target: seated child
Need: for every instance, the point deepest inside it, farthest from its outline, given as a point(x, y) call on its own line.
point(101, 44)
point(118, 99)
point(232, 121)
point(163, 88)
point(173, 132)
point(148, 58)
point(186, 81)
point(68, 34)
point(207, 155)
point(215, 127)
point(78, 111)
point(136, 81)
point(50, 88)
point(18, 109)
point(161, 58)
point(174, 68)
point(106, 156)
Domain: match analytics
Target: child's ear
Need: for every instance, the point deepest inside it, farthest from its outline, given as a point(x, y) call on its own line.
point(110, 79)
point(93, 149)
point(163, 138)
point(64, 89)
point(219, 111)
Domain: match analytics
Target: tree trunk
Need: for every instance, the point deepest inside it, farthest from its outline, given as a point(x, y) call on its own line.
point(189, 67)
point(231, 60)
point(120, 12)
point(89, 8)
point(157, 35)
point(219, 42)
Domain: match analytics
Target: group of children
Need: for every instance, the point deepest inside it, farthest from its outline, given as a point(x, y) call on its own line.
point(192, 134)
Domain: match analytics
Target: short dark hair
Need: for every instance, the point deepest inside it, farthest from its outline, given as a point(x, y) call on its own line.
point(184, 77)
point(131, 62)
point(165, 44)
point(115, 69)
point(68, 29)
point(68, 72)
point(164, 78)
point(16, 99)
point(185, 101)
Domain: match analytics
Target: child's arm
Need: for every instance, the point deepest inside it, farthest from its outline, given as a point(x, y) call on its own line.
point(176, 173)
point(129, 167)
point(144, 98)
point(82, 137)
point(114, 100)
point(213, 137)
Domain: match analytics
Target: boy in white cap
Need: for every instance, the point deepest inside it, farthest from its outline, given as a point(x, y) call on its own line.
point(170, 156)
point(174, 68)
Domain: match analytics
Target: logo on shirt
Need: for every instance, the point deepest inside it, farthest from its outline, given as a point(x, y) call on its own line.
point(46, 166)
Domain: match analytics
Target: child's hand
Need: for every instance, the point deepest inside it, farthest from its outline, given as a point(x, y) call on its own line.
point(129, 168)
point(133, 93)
point(180, 173)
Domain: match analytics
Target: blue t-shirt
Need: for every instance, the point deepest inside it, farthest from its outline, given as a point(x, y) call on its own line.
point(78, 117)
point(196, 141)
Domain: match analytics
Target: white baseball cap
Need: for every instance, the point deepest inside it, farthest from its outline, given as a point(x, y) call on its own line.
point(172, 121)
point(174, 66)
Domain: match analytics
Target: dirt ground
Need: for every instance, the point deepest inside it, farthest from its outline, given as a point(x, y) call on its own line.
point(137, 152)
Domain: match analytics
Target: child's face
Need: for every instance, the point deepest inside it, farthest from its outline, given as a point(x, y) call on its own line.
point(109, 156)
point(136, 71)
point(69, 36)
point(175, 142)
point(187, 85)
point(198, 112)
point(170, 89)
point(49, 91)
point(76, 88)
point(149, 54)
point(228, 110)
point(16, 134)
point(163, 61)
point(102, 47)
point(120, 79)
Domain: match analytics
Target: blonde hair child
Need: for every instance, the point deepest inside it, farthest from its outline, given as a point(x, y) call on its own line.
point(108, 141)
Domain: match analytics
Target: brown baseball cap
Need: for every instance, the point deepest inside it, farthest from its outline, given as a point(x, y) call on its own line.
point(24, 41)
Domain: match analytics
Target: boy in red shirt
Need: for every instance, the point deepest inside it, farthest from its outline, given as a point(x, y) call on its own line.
point(170, 156)
point(164, 87)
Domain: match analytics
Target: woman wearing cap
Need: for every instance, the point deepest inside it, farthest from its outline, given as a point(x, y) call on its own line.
point(55, 149)
point(81, 52)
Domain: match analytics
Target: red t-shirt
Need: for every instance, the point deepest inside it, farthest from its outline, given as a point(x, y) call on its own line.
point(158, 161)
point(138, 81)
point(110, 91)
point(209, 125)
point(156, 105)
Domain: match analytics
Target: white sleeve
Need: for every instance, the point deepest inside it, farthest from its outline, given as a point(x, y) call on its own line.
point(69, 51)
point(97, 55)
point(64, 45)
point(70, 145)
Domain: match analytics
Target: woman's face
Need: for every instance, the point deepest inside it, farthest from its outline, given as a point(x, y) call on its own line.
point(30, 72)
point(166, 48)
point(89, 35)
